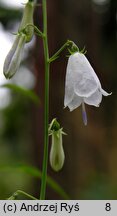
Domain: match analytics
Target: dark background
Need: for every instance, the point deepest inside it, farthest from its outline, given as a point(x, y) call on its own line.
point(90, 169)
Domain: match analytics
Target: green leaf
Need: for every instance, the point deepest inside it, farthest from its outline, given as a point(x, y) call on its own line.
point(17, 194)
point(23, 91)
point(33, 171)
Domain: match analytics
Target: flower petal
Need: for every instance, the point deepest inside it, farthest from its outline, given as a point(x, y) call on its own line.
point(85, 80)
point(94, 99)
point(69, 84)
point(86, 68)
point(10, 55)
point(85, 87)
point(13, 59)
point(76, 102)
point(105, 93)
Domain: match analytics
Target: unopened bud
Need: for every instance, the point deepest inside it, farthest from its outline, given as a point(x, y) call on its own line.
point(27, 21)
point(13, 58)
point(57, 155)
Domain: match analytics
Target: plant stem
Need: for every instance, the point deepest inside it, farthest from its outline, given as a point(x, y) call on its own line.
point(46, 105)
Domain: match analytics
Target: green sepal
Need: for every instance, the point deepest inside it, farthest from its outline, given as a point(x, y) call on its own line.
point(54, 125)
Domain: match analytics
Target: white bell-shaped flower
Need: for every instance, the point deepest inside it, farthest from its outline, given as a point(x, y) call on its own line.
point(82, 84)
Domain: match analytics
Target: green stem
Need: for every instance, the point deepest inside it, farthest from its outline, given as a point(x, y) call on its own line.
point(13, 197)
point(68, 43)
point(46, 105)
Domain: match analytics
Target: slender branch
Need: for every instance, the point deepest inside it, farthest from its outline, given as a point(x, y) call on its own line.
point(46, 105)
point(18, 192)
point(67, 44)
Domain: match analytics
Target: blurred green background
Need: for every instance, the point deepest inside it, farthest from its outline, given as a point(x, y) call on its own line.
point(90, 169)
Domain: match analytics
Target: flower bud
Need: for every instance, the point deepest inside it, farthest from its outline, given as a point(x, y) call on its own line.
point(27, 19)
point(57, 156)
point(13, 58)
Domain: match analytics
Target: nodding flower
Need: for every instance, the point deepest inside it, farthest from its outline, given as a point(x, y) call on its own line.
point(25, 34)
point(82, 84)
